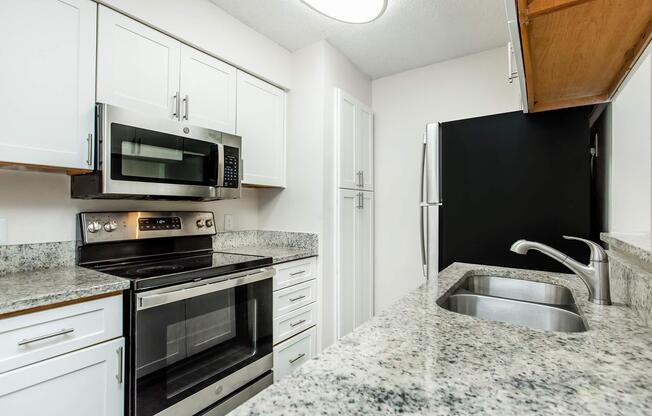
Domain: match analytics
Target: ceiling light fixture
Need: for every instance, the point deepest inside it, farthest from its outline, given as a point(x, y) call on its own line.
point(349, 11)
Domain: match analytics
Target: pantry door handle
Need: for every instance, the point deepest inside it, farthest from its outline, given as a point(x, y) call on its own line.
point(297, 358)
point(186, 101)
point(297, 323)
point(46, 336)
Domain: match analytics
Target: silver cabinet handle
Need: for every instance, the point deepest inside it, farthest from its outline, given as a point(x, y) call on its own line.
point(297, 323)
point(361, 200)
point(186, 100)
point(177, 106)
point(89, 158)
point(297, 273)
point(46, 336)
point(297, 298)
point(360, 179)
point(118, 376)
point(297, 358)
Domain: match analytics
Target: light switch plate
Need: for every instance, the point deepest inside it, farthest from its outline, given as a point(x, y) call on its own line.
point(228, 222)
point(3, 231)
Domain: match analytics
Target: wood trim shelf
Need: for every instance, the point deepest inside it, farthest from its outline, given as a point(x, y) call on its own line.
point(41, 168)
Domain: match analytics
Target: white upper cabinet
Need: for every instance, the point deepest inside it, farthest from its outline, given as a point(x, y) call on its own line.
point(137, 66)
point(261, 123)
point(47, 79)
point(208, 91)
point(354, 127)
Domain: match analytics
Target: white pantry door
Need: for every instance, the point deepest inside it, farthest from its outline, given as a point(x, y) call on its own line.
point(47, 82)
point(208, 91)
point(348, 259)
point(137, 66)
point(364, 276)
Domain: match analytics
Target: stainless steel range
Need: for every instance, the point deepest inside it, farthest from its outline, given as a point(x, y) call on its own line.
point(198, 323)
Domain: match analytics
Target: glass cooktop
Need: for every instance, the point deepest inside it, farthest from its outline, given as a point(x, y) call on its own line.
point(164, 271)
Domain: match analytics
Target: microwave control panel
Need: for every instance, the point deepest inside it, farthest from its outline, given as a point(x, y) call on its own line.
point(231, 167)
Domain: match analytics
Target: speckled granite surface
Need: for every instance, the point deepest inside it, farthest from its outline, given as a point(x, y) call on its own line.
point(417, 358)
point(29, 289)
point(16, 258)
point(630, 271)
point(281, 246)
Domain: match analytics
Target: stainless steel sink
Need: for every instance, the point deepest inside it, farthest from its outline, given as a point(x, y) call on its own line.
point(524, 290)
point(521, 302)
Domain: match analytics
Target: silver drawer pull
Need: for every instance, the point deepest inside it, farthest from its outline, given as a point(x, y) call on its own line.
point(297, 298)
point(297, 273)
point(297, 323)
point(297, 358)
point(46, 336)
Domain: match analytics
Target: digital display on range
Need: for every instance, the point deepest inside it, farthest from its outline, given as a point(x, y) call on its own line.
point(160, 223)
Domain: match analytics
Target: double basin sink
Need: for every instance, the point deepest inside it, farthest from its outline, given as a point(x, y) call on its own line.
point(536, 305)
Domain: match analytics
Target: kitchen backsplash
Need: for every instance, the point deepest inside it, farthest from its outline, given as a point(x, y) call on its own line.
point(630, 270)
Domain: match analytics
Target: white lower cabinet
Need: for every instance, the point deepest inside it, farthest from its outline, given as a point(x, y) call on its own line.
point(296, 315)
point(86, 382)
point(291, 354)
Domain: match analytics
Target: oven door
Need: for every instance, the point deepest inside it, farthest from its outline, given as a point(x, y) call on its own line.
point(197, 343)
point(145, 156)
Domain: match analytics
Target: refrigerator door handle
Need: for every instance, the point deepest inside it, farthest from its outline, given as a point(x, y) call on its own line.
point(423, 206)
point(433, 165)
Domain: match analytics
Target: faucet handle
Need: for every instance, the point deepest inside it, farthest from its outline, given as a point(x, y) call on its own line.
point(597, 252)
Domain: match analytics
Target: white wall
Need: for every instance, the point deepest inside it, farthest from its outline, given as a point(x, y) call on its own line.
point(631, 154)
point(307, 204)
point(38, 207)
point(205, 26)
point(403, 104)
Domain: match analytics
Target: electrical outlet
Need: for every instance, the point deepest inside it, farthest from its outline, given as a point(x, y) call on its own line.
point(3, 231)
point(228, 222)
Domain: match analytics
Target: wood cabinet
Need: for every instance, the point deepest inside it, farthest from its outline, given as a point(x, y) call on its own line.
point(261, 112)
point(147, 71)
point(354, 128)
point(355, 288)
point(577, 52)
point(47, 79)
point(67, 360)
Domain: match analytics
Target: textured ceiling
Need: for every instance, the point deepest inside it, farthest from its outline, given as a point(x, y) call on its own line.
point(411, 33)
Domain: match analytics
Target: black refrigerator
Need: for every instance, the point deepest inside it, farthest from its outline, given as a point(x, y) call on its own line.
point(509, 176)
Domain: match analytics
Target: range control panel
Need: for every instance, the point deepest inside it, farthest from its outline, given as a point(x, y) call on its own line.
point(100, 227)
point(231, 167)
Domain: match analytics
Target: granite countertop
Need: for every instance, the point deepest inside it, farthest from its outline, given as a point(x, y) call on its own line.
point(278, 254)
point(30, 289)
point(417, 358)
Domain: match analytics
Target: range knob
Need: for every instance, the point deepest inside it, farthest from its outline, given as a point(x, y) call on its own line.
point(200, 223)
point(94, 226)
point(110, 226)
point(209, 223)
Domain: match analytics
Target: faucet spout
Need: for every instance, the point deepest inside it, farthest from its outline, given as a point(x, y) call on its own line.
point(595, 275)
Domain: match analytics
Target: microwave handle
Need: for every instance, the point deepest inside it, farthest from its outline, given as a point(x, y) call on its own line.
point(146, 301)
point(220, 165)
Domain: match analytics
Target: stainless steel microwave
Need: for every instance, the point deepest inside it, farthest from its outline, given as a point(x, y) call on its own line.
point(143, 157)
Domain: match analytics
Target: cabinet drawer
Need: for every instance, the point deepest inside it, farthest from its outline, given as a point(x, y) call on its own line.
point(294, 297)
point(294, 322)
point(294, 272)
point(26, 339)
point(291, 354)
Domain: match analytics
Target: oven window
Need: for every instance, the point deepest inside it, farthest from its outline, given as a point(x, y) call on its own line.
point(184, 346)
point(149, 156)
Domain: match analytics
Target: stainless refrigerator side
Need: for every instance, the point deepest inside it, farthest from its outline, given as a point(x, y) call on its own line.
point(431, 199)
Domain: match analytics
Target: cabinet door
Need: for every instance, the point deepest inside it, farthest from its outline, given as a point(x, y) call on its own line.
point(348, 150)
point(261, 123)
point(293, 353)
point(354, 127)
point(137, 66)
point(47, 79)
point(348, 258)
point(208, 88)
point(81, 383)
point(365, 145)
point(364, 284)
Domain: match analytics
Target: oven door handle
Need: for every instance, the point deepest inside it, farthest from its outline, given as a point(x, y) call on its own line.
point(146, 301)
